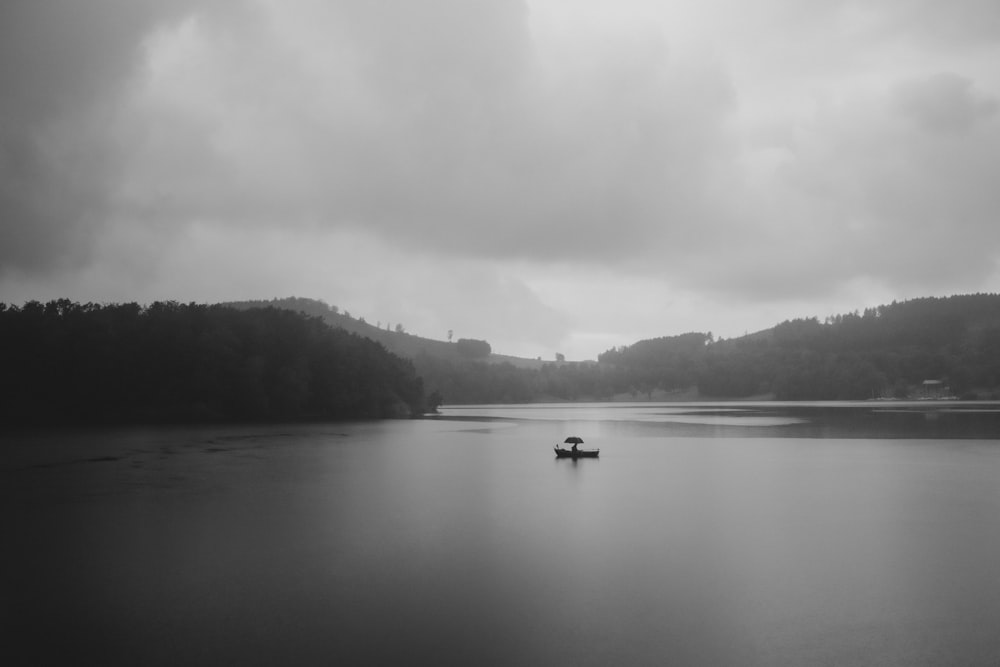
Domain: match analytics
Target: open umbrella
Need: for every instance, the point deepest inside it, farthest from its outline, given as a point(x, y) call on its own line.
point(573, 440)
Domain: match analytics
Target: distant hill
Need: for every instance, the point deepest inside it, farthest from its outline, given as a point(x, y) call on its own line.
point(400, 343)
point(919, 348)
point(932, 347)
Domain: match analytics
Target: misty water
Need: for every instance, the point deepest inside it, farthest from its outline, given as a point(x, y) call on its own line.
point(734, 534)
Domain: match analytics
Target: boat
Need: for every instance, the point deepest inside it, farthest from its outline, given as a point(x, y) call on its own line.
point(578, 454)
point(575, 452)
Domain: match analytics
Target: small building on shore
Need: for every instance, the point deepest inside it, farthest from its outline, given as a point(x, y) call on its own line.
point(934, 389)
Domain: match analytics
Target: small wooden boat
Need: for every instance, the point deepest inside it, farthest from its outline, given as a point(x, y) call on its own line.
point(575, 452)
point(578, 454)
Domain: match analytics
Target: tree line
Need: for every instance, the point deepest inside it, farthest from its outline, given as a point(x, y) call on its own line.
point(884, 352)
point(71, 362)
point(75, 362)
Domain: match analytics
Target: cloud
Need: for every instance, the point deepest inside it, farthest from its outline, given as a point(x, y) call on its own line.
point(963, 23)
point(943, 102)
point(502, 145)
point(64, 69)
point(729, 154)
point(443, 129)
point(897, 202)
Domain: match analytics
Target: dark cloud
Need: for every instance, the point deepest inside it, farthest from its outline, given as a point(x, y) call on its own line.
point(443, 131)
point(961, 23)
point(944, 102)
point(484, 156)
point(64, 67)
point(965, 24)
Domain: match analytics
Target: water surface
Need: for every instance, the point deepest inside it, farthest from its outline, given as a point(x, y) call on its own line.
point(742, 534)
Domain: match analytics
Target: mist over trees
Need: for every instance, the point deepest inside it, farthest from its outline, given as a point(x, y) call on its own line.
point(70, 362)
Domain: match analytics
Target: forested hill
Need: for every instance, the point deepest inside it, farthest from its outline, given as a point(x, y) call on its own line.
point(71, 363)
point(931, 346)
point(923, 347)
point(394, 337)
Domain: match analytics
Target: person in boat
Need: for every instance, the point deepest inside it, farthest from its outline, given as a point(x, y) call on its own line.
point(574, 447)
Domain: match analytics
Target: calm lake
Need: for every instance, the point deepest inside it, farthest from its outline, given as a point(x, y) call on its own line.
point(728, 534)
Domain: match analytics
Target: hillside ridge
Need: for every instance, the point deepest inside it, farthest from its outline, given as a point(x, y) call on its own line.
point(919, 348)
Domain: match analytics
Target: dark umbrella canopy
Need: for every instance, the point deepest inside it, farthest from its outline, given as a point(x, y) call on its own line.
point(573, 440)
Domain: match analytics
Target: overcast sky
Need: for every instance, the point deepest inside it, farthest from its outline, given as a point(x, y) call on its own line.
point(549, 175)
